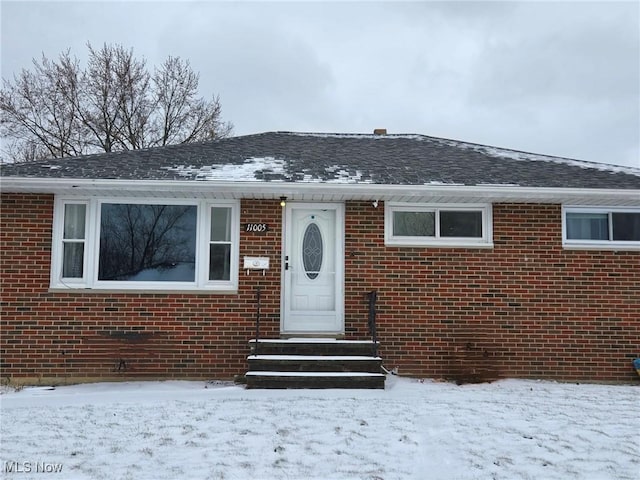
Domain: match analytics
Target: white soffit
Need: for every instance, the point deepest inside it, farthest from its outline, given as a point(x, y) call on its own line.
point(450, 193)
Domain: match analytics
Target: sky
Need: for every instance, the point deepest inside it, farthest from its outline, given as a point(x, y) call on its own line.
point(556, 78)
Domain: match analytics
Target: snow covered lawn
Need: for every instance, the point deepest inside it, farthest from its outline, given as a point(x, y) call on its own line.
point(511, 429)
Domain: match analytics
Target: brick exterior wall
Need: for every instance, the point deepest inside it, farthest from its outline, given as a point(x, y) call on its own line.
point(526, 308)
point(531, 308)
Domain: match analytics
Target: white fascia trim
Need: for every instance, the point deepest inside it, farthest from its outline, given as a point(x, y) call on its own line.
point(302, 191)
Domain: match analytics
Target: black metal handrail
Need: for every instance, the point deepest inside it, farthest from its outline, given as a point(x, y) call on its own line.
point(258, 294)
point(373, 298)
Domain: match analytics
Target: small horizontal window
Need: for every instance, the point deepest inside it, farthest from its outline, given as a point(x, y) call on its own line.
point(599, 227)
point(414, 224)
point(461, 224)
point(439, 225)
point(626, 226)
point(587, 226)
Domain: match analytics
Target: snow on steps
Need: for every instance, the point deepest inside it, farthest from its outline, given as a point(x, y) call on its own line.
point(314, 363)
point(314, 380)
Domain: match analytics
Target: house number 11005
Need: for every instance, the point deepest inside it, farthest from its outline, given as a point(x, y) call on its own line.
point(256, 227)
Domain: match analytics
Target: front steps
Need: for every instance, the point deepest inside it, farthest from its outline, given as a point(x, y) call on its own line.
point(314, 363)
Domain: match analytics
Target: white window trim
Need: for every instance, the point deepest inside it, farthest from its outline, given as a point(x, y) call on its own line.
point(57, 247)
point(486, 241)
point(596, 244)
point(92, 236)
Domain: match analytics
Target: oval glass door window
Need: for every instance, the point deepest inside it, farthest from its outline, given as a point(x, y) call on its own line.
point(312, 251)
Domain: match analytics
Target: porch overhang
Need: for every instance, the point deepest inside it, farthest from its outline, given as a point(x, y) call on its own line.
point(322, 192)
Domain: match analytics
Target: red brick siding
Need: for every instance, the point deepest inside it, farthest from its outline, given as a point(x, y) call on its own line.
point(107, 334)
point(539, 310)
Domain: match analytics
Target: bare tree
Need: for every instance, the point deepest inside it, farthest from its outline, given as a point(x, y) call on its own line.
point(59, 109)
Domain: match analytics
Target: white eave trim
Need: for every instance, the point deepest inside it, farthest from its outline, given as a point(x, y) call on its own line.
point(321, 191)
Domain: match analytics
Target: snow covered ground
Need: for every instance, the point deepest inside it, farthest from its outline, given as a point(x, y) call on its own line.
point(511, 429)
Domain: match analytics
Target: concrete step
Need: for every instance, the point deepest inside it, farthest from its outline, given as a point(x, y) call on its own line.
point(315, 363)
point(314, 380)
point(313, 346)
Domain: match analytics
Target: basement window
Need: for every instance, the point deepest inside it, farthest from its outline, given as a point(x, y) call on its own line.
point(601, 228)
point(443, 225)
point(148, 245)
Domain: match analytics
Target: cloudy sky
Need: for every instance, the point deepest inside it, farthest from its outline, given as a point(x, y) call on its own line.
point(560, 78)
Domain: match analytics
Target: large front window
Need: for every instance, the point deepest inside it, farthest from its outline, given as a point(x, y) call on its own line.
point(147, 243)
point(144, 245)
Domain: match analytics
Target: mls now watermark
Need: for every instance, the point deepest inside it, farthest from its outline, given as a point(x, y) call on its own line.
point(32, 467)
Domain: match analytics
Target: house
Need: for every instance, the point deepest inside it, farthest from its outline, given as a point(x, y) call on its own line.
point(158, 263)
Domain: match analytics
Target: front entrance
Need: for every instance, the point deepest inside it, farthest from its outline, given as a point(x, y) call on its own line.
point(313, 276)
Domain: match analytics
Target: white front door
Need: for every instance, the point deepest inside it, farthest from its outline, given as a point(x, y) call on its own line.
point(313, 268)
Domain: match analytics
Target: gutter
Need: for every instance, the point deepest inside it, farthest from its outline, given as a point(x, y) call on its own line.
point(313, 191)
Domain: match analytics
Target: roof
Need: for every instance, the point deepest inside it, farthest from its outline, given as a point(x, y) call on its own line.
point(288, 161)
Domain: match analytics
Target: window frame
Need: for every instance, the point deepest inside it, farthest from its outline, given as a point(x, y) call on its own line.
point(484, 241)
point(598, 244)
point(58, 241)
point(92, 245)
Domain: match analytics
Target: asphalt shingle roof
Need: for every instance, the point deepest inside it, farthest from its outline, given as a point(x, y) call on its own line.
point(336, 158)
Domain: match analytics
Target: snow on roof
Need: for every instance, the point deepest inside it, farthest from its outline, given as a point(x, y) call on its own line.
point(486, 150)
point(409, 136)
point(245, 172)
point(337, 159)
point(343, 176)
point(527, 157)
point(254, 169)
